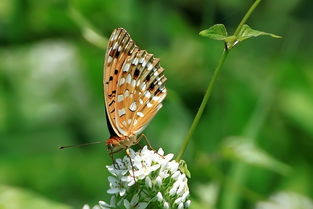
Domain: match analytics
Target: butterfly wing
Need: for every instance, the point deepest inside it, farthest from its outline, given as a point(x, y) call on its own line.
point(133, 85)
point(119, 49)
point(140, 92)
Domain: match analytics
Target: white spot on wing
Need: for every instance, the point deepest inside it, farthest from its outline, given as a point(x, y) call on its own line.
point(135, 61)
point(120, 98)
point(115, 45)
point(150, 66)
point(133, 106)
point(126, 93)
point(149, 104)
point(155, 98)
point(144, 63)
point(140, 114)
point(126, 67)
point(121, 112)
point(115, 36)
point(121, 81)
point(110, 59)
point(143, 86)
point(147, 94)
point(128, 78)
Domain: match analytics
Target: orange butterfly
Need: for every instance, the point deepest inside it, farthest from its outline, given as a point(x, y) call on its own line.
point(133, 90)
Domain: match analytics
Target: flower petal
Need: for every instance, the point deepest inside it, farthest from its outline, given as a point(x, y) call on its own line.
point(86, 206)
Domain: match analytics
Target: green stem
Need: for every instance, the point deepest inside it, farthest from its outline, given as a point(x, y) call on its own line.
point(246, 17)
point(202, 106)
point(211, 84)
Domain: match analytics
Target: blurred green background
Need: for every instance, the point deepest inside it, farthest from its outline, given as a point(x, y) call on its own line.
point(254, 141)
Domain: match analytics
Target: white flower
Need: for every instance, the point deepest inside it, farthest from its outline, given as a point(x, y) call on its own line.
point(105, 205)
point(150, 177)
point(88, 207)
point(116, 186)
point(160, 197)
point(187, 203)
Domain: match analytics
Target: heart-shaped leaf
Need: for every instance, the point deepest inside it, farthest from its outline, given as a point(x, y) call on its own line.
point(247, 32)
point(216, 32)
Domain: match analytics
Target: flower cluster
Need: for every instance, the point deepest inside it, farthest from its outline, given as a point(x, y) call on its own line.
point(149, 179)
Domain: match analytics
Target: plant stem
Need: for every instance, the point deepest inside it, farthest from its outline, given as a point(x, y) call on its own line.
point(203, 104)
point(246, 17)
point(211, 84)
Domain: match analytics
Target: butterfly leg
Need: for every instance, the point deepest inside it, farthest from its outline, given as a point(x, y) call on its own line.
point(149, 145)
point(131, 163)
point(116, 166)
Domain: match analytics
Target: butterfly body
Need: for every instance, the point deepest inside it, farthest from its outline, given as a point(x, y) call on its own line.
point(133, 89)
point(116, 143)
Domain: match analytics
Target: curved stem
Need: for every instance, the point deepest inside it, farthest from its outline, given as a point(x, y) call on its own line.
point(247, 15)
point(203, 104)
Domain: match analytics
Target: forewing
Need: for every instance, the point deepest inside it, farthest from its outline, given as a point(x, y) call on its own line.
point(119, 49)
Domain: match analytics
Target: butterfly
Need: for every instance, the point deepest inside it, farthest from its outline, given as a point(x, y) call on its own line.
point(134, 89)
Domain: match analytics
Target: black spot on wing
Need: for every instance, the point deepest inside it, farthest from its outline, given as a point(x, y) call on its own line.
point(136, 73)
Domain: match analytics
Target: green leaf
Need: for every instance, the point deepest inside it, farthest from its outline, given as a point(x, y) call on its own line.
point(184, 169)
point(247, 32)
point(241, 149)
point(216, 32)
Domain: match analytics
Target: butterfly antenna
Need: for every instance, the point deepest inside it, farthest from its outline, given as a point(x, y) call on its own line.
point(81, 145)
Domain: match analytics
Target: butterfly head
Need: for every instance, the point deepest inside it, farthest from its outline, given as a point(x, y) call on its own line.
point(113, 144)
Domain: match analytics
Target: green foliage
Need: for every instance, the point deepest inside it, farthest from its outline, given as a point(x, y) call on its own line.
point(215, 32)
point(219, 32)
point(51, 94)
point(247, 32)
